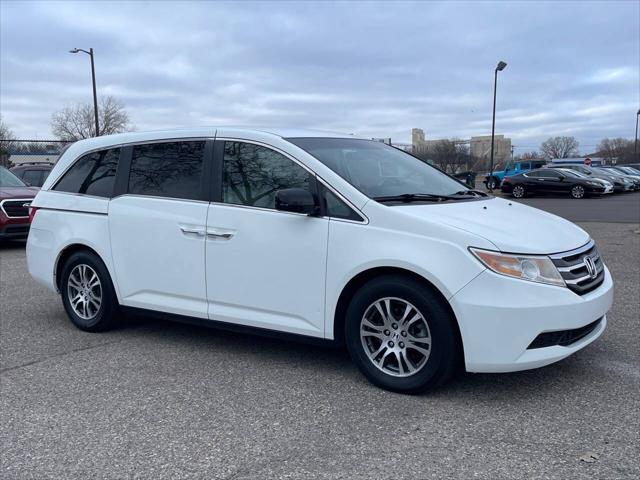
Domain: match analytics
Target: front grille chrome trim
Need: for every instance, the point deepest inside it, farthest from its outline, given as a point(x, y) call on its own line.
point(7, 200)
point(582, 269)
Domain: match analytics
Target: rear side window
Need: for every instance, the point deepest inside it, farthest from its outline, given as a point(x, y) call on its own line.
point(172, 169)
point(33, 177)
point(93, 174)
point(252, 174)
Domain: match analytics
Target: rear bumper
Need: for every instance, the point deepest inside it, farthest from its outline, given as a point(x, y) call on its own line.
point(500, 317)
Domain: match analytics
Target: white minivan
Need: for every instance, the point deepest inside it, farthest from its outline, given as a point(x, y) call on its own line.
point(319, 235)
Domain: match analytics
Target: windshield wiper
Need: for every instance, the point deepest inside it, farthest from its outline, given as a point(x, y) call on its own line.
point(416, 197)
point(475, 193)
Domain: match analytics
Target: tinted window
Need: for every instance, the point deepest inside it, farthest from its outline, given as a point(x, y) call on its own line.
point(253, 174)
point(544, 174)
point(172, 169)
point(93, 174)
point(336, 208)
point(33, 177)
point(377, 169)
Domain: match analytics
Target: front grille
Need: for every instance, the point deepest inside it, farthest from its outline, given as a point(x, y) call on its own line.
point(563, 337)
point(582, 269)
point(16, 208)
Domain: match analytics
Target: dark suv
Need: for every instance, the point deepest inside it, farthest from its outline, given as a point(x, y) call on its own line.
point(33, 174)
point(15, 199)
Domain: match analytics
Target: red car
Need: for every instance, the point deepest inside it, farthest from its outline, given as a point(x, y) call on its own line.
point(15, 199)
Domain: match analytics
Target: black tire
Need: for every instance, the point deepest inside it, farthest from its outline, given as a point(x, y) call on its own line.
point(519, 191)
point(108, 313)
point(578, 192)
point(444, 358)
point(493, 183)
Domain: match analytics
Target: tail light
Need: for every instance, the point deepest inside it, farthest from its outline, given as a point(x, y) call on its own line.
point(32, 213)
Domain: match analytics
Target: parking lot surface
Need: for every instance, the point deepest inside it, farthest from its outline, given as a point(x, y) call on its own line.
point(156, 400)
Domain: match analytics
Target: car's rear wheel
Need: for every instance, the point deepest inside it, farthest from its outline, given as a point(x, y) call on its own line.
point(88, 295)
point(518, 191)
point(577, 191)
point(401, 334)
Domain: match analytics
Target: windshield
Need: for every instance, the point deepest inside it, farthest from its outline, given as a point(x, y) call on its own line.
point(629, 170)
point(8, 179)
point(378, 170)
point(606, 171)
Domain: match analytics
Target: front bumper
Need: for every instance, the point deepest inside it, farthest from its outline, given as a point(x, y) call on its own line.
point(500, 317)
point(14, 230)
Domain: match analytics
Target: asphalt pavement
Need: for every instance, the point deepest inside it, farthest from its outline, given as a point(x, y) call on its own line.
point(155, 400)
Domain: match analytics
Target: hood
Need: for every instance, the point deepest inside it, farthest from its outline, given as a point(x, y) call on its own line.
point(18, 192)
point(509, 225)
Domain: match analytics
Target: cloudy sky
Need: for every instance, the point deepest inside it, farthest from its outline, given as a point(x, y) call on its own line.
point(376, 69)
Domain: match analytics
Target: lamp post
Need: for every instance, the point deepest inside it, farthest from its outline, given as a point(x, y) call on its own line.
point(501, 65)
point(635, 145)
point(93, 81)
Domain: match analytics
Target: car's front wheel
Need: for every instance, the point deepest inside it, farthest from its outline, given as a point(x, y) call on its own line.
point(88, 295)
point(401, 334)
point(577, 191)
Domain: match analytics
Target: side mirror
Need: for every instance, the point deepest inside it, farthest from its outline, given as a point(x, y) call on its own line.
point(296, 200)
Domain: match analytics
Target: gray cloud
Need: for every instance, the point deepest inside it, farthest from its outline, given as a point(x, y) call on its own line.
point(376, 69)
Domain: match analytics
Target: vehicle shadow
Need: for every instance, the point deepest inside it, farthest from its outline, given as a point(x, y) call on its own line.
point(330, 359)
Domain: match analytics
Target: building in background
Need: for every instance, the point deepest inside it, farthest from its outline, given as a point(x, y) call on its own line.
point(479, 146)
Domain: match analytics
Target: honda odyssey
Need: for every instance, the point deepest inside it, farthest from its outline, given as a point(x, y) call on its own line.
point(318, 235)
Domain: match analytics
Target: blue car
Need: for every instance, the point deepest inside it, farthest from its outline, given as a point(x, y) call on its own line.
point(511, 168)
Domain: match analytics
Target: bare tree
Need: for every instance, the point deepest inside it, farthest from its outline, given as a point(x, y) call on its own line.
point(530, 155)
point(616, 150)
point(560, 147)
point(6, 143)
point(448, 155)
point(76, 122)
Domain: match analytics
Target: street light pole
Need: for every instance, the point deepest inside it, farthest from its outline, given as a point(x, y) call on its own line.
point(93, 82)
point(501, 65)
point(635, 145)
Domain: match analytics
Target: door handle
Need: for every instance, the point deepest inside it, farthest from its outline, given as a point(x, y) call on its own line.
point(192, 231)
point(218, 233)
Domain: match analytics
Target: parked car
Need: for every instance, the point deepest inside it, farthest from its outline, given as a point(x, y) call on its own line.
point(631, 175)
point(620, 184)
point(630, 182)
point(555, 181)
point(629, 170)
point(15, 199)
point(327, 236)
point(494, 180)
point(33, 174)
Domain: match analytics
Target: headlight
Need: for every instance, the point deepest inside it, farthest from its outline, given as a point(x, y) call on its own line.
point(597, 184)
point(535, 268)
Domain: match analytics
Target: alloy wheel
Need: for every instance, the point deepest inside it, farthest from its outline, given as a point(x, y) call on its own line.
point(395, 337)
point(84, 291)
point(577, 191)
point(518, 191)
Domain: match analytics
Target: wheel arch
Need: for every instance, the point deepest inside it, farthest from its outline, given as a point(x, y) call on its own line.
point(65, 253)
point(365, 276)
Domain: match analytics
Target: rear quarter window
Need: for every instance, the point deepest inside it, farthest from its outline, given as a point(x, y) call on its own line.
point(93, 174)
